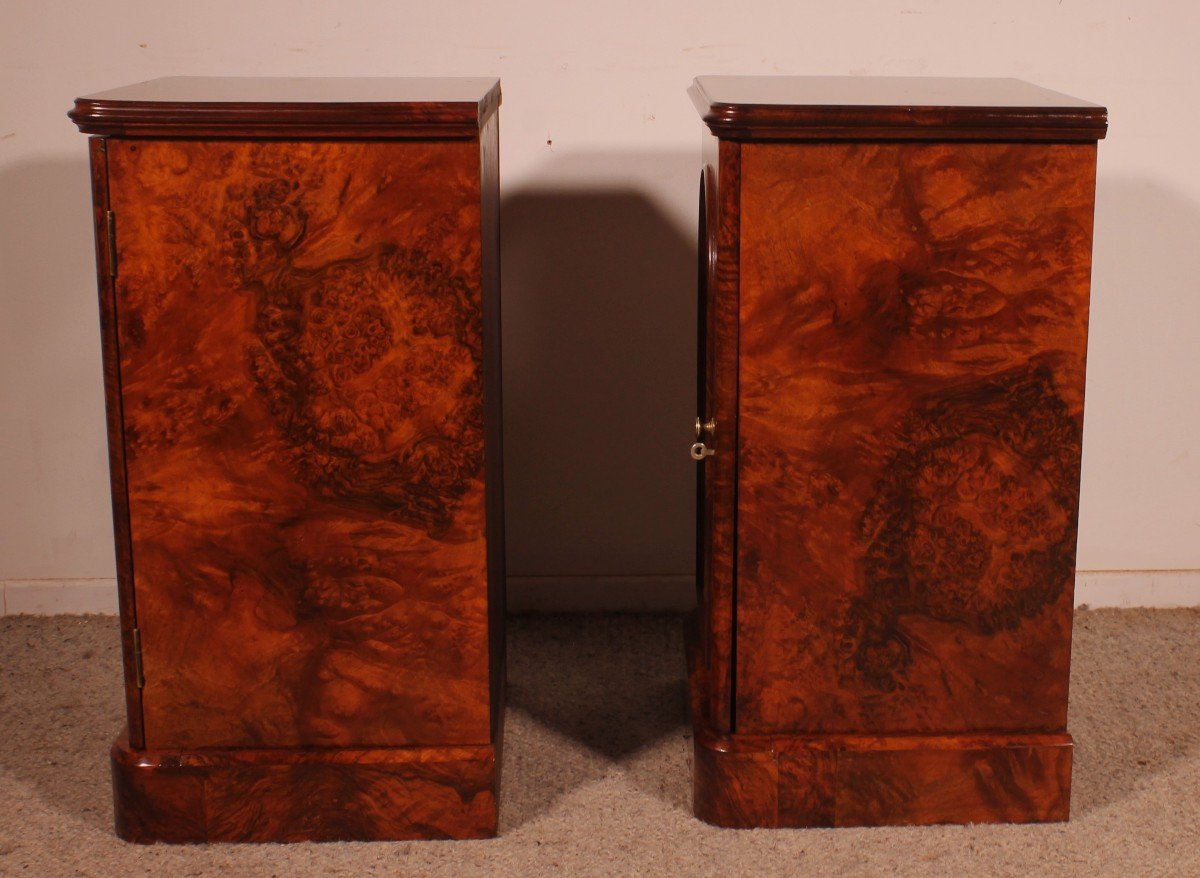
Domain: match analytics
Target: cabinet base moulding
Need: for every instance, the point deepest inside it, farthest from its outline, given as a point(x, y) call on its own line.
point(385, 794)
point(751, 781)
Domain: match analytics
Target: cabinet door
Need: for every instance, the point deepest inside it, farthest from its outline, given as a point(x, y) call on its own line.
point(913, 333)
point(299, 332)
point(712, 659)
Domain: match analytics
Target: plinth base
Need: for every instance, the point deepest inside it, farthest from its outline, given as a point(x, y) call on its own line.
point(747, 781)
point(304, 795)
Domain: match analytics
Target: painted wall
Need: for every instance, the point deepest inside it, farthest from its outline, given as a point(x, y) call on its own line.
point(599, 167)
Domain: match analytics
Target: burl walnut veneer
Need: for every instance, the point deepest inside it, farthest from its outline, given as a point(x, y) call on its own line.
point(893, 326)
point(299, 306)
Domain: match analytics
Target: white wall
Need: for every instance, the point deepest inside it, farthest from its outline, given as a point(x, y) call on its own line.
point(599, 161)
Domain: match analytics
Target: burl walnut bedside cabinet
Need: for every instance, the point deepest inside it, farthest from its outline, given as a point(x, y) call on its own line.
point(299, 305)
point(895, 279)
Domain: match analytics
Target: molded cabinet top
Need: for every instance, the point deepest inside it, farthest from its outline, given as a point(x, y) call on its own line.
point(203, 106)
point(892, 108)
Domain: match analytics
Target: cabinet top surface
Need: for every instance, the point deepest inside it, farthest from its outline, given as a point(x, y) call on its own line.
point(283, 106)
point(873, 107)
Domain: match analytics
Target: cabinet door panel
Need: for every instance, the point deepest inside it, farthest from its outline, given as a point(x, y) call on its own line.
point(912, 345)
point(712, 661)
point(300, 351)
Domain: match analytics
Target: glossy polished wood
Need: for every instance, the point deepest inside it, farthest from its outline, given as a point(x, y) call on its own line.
point(911, 409)
point(302, 367)
point(908, 370)
point(211, 106)
point(304, 795)
point(493, 416)
point(748, 781)
point(115, 424)
point(304, 440)
point(712, 634)
point(906, 108)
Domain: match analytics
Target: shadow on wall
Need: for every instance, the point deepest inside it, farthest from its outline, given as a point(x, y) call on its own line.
point(1140, 500)
point(55, 516)
point(599, 335)
point(599, 382)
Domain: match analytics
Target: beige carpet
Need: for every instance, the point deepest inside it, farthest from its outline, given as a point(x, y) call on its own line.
point(596, 769)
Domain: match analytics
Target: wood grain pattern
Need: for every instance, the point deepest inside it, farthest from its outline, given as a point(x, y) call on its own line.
point(815, 108)
point(300, 336)
point(493, 416)
point(748, 781)
point(913, 335)
point(734, 785)
point(290, 795)
point(909, 332)
point(712, 654)
point(292, 107)
point(114, 420)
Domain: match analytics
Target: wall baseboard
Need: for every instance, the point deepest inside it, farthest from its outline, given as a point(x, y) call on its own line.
point(51, 597)
point(1137, 588)
point(601, 594)
point(607, 594)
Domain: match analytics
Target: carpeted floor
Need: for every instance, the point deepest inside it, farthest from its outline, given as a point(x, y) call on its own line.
point(596, 771)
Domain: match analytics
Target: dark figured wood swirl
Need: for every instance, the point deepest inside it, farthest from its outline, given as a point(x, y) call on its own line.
point(913, 334)
point(897, 338)
point(973, 522)
point(300, 334)
point(319, 331)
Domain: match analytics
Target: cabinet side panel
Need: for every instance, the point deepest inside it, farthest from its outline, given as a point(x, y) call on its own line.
point(913, 338)
point(489, 140)
point(301, 355)
point(98, 153)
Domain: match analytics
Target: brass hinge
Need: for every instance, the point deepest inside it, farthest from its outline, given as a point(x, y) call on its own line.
point(699, 450)
point(140, 677)
point(111, 220)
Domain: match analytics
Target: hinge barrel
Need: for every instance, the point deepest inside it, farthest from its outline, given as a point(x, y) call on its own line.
point(111, 223)
point(140, 677)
